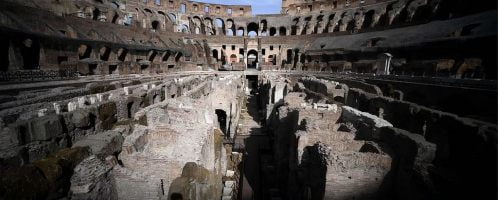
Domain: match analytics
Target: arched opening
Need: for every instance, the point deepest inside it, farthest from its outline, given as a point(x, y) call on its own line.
point(115, 18)
point(209, 28)
point(273, 31)
point(233, 58)
point(230, 27)
point(367, 22)
point(289, 56)
point(229, 32)
point(172, 17)
point(166, 56)
point(122, 53)
point(222, 120)
point(282, 31)
point(113, 69)
point(337, 28)
point(185, 29)
point(4, 54)
point(329, 23)
point(176, 196)
point(84, 52)
point(219, 23)
point(144, 69)
point(423, 13)
point(30, 50)
point(105, 52)
point(352, 23)
point(402, 17)
point(384, 18)
point(252, 29)
point(178, 56)
point(240, 31)
point(215, 54)
point(319, 24)
point(152, 55)
point(252, 59)
point(156, 25)
point(95, 14)
point(264, 27)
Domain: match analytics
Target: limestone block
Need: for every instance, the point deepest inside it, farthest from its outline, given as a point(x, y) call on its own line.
point(45, 128)
point(107, 114)
point(42, 112)
point(57, 108)
point(91, 180)
point(80, 119)
point(71, 107)
point(81, 102)
point(104, 144)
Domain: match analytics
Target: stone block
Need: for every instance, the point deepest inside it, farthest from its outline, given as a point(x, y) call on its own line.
point(45, 128)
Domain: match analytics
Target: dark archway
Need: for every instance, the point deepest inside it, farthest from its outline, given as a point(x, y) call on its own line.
point(222, 120)
point(282, 31)
point(240, 31)
point(233, 58)
point(156, 25)
point(367, 22)
point(96, 14)
point(105, 52)
point(252, 59)
point(215, 54)
point(384, 18)
point(252, 29)
point(273, 31)
point(4, 54)
point(30, 51)
point(122, 53)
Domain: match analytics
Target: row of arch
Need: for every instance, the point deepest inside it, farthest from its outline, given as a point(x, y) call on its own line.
point(350, 20)
point(104, 53)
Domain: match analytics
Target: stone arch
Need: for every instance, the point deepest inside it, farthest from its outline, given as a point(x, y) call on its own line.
point(319, 26)
point(122, 53)
point(282, 31)
point(215, 54)
point(330, 24)
point(384, 18)
point(105, 53)
point(240, 31)
point(368, 20)
point(233, 58)
point(220, 25)
point(156, 25)
point(252, 29)
point(30, 52)
point(264, 27)
point(178, 56)
point(273, 31)
point(152, 55)
point(230, 27)
point(84, 51)
point(166, 56)
point(209, 27)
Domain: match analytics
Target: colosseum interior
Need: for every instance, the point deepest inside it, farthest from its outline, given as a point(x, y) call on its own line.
point(184, 100)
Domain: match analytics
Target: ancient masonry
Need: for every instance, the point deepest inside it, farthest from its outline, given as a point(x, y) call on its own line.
point(183, 100)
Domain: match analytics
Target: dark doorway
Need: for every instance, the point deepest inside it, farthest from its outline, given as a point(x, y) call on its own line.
point(4, 55)
point(92, 69)
point(252, 59)
point(113, 69)
point(30, 50)
point(222, 120)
